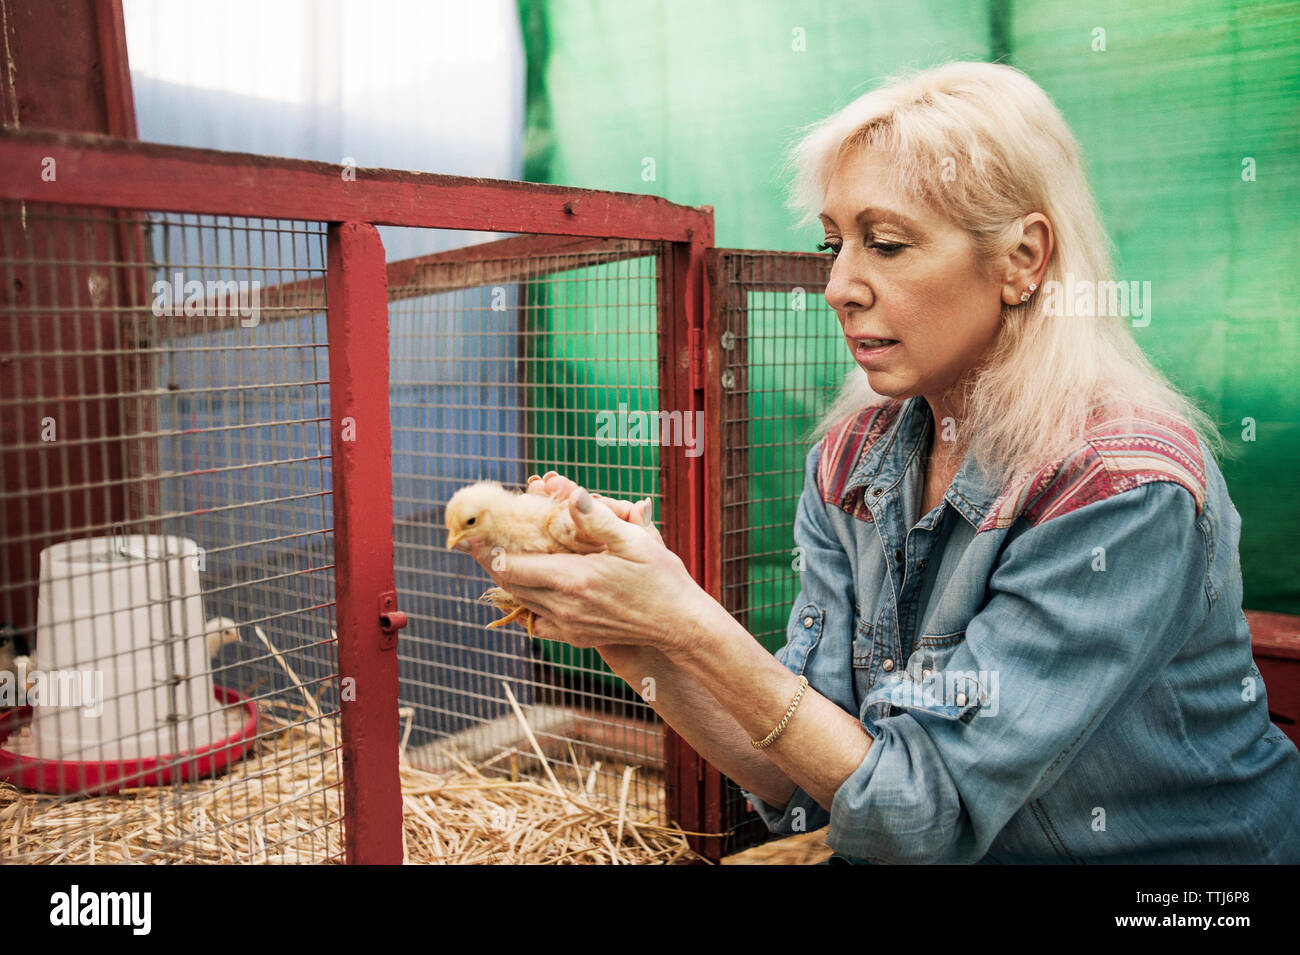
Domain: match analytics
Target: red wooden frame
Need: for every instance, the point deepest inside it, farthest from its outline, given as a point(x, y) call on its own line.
point(119, 174)
point(693, 787)
point(362, 453)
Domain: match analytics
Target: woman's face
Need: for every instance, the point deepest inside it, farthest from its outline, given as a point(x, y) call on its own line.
point(904, 273)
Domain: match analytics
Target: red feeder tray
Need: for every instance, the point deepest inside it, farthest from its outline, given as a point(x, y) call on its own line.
point(91, 777)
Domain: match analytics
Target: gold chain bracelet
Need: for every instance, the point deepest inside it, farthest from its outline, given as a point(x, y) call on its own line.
point(794, 705)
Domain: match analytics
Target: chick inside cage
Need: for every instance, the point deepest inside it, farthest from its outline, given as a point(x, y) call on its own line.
point(168, 541)
point(508, 359)
point(200, 439)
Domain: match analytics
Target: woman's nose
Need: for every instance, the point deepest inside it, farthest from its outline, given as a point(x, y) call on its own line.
point(847, 288)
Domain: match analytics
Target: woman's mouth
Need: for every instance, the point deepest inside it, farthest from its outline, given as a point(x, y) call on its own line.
point(866, 349)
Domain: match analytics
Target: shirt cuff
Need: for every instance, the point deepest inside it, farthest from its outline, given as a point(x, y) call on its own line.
point(900, 805)
point(801, 814)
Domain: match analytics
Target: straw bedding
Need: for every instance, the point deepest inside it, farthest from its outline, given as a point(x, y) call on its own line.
point(283, 804)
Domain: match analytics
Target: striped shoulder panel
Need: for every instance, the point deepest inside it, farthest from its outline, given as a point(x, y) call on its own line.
point(842, 448)
point(1117, 454)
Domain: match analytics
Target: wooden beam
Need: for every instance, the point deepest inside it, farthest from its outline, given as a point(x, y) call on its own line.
point(103, 171)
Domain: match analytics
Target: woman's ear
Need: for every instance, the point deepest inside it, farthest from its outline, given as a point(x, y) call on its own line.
point(1028, 258)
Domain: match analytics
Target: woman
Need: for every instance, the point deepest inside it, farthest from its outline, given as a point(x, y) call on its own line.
point(1019, 636)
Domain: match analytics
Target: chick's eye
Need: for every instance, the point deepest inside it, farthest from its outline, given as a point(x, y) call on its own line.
point(471, 520)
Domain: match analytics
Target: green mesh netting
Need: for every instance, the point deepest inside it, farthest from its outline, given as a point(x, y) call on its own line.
point(1189, 119)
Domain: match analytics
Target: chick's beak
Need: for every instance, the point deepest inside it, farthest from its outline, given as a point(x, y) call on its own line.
point(454, 538)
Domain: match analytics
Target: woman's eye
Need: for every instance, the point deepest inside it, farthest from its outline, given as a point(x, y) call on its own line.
point(885, 249)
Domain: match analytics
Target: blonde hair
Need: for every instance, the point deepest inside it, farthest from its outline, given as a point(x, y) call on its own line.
point(984, 145)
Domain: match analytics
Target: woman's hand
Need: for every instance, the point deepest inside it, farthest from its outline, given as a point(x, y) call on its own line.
point(636, 592)
point(561, 488)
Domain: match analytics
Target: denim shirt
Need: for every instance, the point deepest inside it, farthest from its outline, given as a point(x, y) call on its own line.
point(1058, 671)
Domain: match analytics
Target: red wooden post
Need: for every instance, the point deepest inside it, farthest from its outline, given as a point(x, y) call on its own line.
point(361, 445)
point(693, 794)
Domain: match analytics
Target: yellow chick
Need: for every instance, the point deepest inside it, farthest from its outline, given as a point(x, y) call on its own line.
point(517, 523)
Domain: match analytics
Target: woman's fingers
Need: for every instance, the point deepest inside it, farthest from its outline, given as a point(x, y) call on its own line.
point(535, 599)
point(561, 488)
point(548, 483)
point(596, 521)
point(477, 549)
point(643, 513)
point(622, 509)
point(557, 486)
point(640, 512)
point(535, 576)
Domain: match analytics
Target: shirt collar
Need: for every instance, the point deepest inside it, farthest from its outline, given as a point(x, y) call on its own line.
point(884, 463)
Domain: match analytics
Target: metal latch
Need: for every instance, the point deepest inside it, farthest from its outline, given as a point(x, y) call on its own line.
point(390, 620)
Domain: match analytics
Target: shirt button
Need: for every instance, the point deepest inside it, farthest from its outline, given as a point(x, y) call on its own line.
point(877, 491)
point(961, 699)
point(898, 555)
point(921, 566)
point(887, 665)
point(807, 622)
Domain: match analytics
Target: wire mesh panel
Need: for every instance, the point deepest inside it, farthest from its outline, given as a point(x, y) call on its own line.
point(166, 580)
point(511, 358)
point(783, 358)
point(180, 487)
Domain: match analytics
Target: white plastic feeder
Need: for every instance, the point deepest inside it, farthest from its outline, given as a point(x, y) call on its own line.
point(122, 617)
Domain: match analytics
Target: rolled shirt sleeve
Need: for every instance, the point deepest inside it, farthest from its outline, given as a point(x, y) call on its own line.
point(1058, 647)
